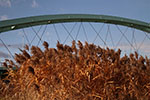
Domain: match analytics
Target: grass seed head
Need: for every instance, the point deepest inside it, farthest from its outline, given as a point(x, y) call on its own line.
point(77, 72)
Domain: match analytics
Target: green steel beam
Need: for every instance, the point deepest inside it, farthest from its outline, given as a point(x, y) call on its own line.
point(19, 23)
point(4, 68)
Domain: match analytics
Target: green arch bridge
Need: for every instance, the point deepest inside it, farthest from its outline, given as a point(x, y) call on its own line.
point(14, 24)
point(19, 23)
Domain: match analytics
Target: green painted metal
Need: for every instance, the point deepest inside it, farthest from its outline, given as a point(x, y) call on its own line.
point(19, 23)
point(4, 68)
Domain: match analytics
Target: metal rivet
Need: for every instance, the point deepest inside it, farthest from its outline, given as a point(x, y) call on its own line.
point(49, 21)
point(12, 27)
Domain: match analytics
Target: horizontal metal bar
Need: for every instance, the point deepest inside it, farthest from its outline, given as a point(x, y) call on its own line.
point(19, 23)
point(4, 68)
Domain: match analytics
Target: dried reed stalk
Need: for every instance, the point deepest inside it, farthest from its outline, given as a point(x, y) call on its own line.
point(79, 72)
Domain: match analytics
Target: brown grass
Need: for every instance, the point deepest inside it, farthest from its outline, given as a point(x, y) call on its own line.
point(86, 72)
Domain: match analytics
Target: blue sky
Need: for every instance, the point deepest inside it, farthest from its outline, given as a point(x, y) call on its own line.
point(136, 9)
point(10, 9)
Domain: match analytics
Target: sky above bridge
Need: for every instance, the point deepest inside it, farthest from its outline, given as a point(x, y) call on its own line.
point(10, 9)
point(136, 9)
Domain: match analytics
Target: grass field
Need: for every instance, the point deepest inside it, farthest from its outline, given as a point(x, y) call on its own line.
point(77, 72)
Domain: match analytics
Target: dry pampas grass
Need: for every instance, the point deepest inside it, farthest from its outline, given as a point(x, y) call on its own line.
point(77, 72)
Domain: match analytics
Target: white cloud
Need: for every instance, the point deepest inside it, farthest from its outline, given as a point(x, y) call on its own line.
point(4, 17)
point(4, 55)
point(5, 3)
point(145, 48)
point(34, 4)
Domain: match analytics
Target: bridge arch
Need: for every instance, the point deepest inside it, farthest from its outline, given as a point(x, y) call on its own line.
point(19, 23)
